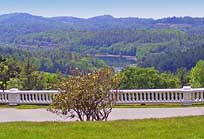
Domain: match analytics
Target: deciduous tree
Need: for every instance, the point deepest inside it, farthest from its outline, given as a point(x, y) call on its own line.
point(147, 78)
point(197, 75)
point(8, 69)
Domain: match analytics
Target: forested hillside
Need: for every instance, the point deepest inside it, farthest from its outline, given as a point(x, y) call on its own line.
point(53, 61)
point(63, 43)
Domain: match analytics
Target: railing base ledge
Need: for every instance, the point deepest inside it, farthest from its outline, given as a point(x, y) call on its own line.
point(187, 103)
point(13, 104)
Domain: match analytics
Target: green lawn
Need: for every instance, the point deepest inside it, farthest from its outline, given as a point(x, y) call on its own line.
point(25, 106)
point(174, 128)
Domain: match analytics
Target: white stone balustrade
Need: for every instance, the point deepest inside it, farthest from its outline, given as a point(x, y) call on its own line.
point(185, 95)
point(16, 97)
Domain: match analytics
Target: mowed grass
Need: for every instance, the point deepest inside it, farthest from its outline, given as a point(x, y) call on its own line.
point(25, 106)
point(172, 128)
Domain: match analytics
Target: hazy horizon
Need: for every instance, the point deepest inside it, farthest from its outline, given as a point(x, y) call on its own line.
point(97, 16)
point(117, 8)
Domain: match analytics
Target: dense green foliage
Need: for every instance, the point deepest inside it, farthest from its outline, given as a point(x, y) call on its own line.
point(149, 78)
point(8, 69)
point(14, 74)
point(183, 76)
point(117, 42)
point(55, 60)
point(176, 128)
point(26, 76)
point(166, 50)
point(174, 60)
point(197, 75)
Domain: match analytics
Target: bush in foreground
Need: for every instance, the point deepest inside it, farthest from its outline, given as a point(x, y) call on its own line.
point(86, 97)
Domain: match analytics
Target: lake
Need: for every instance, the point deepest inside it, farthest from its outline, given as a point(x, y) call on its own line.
point(117, 62)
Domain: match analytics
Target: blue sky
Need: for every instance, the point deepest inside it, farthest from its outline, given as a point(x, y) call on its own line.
point(117, 8)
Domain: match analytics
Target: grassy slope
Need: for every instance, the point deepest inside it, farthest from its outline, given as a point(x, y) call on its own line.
point(174, 128)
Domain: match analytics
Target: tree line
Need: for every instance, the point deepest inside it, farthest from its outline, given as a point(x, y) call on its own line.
point(150, 78)
point(26, 75)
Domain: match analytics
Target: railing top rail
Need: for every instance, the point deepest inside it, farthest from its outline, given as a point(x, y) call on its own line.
point(30, 91)
point(38, 91)
point(5, 91)
point(185, 88)
point(147, 90)
point(197, 89)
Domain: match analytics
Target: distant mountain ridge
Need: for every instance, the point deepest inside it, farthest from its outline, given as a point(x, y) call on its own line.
point(100, 22)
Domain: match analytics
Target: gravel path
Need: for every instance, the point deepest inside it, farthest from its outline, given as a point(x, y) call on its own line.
point(39, 115)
